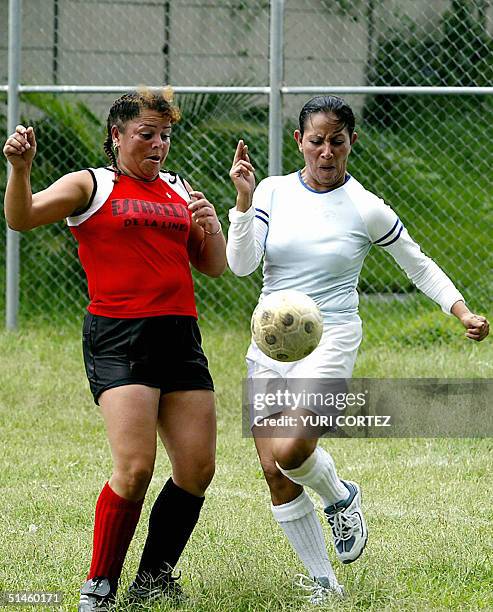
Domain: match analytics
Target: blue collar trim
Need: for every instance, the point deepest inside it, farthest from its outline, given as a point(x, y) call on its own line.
point(346, 179)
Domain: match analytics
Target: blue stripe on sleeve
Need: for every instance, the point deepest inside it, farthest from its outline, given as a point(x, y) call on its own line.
point(259, 210)
point(387, 234)
point(262, 219)
point(393, 239)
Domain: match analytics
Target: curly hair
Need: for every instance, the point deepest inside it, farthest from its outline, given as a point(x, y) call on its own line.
point(129, 106)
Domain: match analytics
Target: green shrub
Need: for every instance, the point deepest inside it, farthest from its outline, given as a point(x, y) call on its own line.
point(413, 167)
point(459, 54)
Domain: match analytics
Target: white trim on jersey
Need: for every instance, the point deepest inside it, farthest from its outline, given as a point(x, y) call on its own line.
point(104, 185)
point(177, 184)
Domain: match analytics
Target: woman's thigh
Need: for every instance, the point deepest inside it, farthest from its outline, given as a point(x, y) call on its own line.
point(187, 427)
point(130, 415)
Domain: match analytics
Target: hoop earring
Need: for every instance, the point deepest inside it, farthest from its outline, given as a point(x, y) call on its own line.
point(114, 147)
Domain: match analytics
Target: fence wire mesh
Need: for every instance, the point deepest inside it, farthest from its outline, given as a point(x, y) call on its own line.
point(428, 156)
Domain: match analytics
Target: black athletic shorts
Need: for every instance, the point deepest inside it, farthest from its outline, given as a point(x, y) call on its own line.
point(163, 352)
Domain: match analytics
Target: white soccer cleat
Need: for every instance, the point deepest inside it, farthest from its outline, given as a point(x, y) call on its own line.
point(96, 595)
point(348, 524)
point(320, 589)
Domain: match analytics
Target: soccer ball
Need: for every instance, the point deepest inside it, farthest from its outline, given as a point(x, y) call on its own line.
point(287, 325)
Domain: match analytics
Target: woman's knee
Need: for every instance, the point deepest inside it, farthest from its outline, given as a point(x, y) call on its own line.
point(195, 477)
point(278, 484)
point(133, 479)
point(205, 474)
point(291, 453)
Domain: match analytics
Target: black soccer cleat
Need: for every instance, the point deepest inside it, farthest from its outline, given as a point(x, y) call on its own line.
point(148, 588)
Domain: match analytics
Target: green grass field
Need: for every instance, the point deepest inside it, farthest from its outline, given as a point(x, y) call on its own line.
point(427, 502)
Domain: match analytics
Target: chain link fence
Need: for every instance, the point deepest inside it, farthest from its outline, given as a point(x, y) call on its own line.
point(428, 156)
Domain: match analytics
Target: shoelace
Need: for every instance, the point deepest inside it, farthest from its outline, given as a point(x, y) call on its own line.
point(317, 591)
point(154, 586)
point(168, 573)
point(344, 525)
point(96, 582)
point(96, 600)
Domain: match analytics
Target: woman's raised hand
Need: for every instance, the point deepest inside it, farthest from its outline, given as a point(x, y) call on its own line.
point(242, 172)
point(20, 147)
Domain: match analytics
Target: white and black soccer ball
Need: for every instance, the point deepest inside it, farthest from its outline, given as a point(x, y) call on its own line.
point(287, 325)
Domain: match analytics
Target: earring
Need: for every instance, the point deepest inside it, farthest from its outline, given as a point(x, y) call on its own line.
point(114, 146)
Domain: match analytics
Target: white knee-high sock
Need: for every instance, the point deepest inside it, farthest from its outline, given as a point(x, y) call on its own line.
point(319, 473)
point(300, 523)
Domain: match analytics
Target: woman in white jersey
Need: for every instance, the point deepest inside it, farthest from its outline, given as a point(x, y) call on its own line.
point(314, 229)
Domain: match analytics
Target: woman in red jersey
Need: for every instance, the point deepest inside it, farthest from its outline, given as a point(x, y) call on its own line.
point(138, 228)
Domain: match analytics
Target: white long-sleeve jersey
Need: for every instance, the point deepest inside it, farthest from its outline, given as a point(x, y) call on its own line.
point(316, 242)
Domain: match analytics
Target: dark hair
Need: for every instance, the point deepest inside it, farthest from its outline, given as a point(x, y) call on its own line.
point(130, 105)
point(328, 104)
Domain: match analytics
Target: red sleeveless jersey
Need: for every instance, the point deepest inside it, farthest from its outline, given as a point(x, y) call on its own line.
point(132, 243)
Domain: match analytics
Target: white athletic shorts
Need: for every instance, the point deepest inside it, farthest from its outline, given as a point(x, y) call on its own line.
point(334, 358)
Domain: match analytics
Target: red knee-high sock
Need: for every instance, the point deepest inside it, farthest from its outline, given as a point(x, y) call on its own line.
point(114, 526)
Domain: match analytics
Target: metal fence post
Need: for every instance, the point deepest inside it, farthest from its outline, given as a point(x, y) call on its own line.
point(275, 81)
point(12, 260)
point(251, 46)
